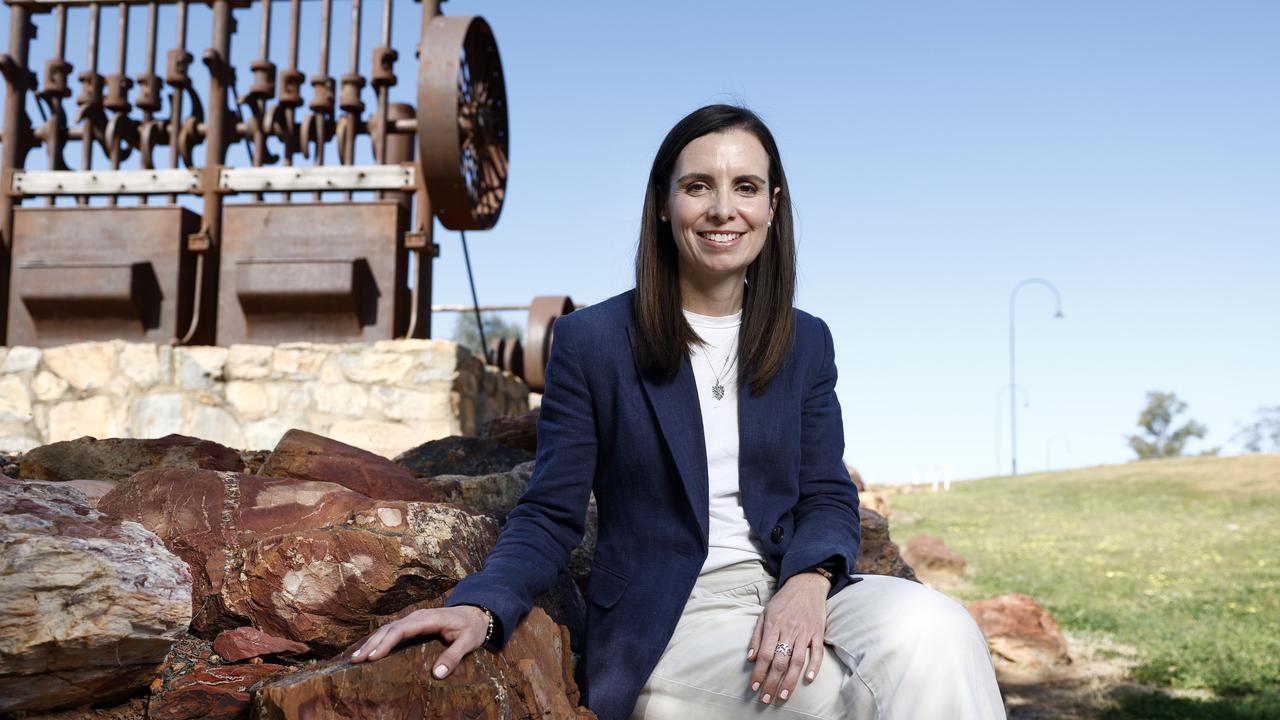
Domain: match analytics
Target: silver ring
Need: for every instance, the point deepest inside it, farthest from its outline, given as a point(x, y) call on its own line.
point(783, 649)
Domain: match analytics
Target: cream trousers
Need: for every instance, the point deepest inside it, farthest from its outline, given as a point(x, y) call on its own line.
point(895, 650)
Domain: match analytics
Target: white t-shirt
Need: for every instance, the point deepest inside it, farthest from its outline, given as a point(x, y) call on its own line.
point(715, 365)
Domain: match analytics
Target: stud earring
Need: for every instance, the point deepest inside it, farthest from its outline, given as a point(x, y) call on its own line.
point(663, 218)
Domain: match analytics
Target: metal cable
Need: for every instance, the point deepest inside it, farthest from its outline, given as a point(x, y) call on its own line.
point(484, 353)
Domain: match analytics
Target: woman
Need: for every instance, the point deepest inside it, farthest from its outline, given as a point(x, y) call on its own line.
point(701, 410)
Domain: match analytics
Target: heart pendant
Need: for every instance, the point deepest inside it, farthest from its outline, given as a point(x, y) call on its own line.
point(718, 391)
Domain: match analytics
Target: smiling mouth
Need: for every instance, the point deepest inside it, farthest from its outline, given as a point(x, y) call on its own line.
point(720, 238)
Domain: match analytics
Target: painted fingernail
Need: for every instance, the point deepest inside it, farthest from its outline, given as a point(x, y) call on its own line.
point(755, 686)
point(751, 652)
point(355, 654)
point(784, 694)
point(766, 699)
point(441, 670)
point(810, 675)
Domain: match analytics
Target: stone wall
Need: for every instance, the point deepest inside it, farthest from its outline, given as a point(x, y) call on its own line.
point(385, 397)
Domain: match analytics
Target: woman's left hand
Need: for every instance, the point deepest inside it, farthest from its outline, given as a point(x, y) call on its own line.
point(797, 616)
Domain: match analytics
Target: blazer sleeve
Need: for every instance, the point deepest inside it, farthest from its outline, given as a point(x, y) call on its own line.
point(549, 520)
point(826, 514)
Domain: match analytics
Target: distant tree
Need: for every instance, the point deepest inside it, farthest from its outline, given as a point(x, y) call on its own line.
point(1158, 439)
point(494, 326)
point(1262, 435)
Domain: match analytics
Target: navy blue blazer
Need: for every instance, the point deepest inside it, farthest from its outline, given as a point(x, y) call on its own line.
point(638, 444)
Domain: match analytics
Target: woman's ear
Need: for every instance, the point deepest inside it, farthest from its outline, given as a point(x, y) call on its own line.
point(773, 202)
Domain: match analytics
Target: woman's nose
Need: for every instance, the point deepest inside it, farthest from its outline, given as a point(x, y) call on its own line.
point(722, 208)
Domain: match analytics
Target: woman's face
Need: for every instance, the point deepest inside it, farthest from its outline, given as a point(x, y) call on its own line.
point(720, 204)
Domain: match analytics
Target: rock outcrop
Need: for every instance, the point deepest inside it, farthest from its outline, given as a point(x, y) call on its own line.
point(530, 678)
point(878, 555)
point(89, 605)
point(119, 458)
point(306, 456)
point(246, 643)
point(518, 431)
point(935, 563)
point(1024, 637)
point(462, 456)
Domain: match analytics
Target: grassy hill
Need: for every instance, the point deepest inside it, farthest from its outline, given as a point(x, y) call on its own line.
point(1179, 559)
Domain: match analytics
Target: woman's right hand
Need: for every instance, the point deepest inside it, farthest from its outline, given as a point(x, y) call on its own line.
point(463, 627)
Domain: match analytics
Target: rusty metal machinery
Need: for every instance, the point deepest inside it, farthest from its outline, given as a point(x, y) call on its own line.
point(265, 270)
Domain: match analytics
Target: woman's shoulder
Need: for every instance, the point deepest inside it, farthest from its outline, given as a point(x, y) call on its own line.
point(612, 315)
point(809, 328)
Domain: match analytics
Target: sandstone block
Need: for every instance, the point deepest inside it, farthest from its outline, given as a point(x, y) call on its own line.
point(297, 361)
point(140, 362)
point(342, 399)
point(387, 438)
point(249, 362)
point(93, 416)
point(199, 367)
point(86, 365)
point(89, 605)
point(21, 359)
point(375, 368)
point(15, 400)
point(154, 416)
point(46, 386)
point(214, 423)
point(248, 399)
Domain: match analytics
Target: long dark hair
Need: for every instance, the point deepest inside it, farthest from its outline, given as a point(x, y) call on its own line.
point(768, 324)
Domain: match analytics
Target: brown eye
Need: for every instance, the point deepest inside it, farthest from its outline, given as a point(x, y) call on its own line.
point(695, 187)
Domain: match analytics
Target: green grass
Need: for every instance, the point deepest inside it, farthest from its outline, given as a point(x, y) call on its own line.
point(1178, 558)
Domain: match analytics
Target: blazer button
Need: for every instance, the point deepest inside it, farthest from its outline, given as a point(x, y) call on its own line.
point(776, 535)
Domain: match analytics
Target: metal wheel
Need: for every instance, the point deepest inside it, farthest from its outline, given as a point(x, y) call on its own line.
point(538, 334)
point(462, 122)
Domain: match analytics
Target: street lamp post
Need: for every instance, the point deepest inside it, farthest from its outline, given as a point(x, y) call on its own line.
point(1026, 402)
point(1013, 405)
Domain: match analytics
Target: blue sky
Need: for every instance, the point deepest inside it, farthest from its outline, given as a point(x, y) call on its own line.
point(938, 153)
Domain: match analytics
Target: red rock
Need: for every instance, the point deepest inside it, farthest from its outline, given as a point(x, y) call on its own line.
point(249, 642)
point(530, 678)
point(322, 587)
point(518, 431)
point(88, 458)
point(305, 560)
point(89, 605)
point(215, 692)
point(1023, 636)
point(877, 554)
point(206, 517)
point(933, 561)
point(307, 456)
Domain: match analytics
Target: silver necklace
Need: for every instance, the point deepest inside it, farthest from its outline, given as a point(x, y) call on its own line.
point(718, 389)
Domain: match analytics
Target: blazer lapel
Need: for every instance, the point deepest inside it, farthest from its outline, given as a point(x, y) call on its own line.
point(675, 402)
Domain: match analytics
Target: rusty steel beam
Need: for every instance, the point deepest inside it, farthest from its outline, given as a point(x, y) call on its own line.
point(16, 126)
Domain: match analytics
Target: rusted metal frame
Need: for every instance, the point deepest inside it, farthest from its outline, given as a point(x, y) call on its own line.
point(317, 129)
point(120, 129)
point(150, 132)
point(54, 134)
point(16, 128)
point(383, 78)
point(261, 90)
point(207, 242)
point(282, 120)
point(176, 62)
point(349, 126)
point(90, 100)
point(421, 243)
